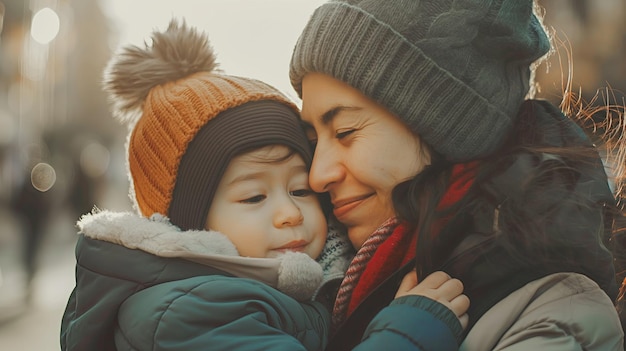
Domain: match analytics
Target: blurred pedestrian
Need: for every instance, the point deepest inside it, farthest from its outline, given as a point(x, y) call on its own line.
point(32, 203)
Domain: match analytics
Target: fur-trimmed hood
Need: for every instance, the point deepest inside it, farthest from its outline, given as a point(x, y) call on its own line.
point(294, 273)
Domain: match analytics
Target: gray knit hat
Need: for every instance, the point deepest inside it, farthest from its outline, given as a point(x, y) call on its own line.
point(455, 71)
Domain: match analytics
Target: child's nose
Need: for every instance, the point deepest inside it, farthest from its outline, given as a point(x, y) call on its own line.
point(288, 214)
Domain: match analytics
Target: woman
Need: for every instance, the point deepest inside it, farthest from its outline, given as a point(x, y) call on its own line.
point(435, 159)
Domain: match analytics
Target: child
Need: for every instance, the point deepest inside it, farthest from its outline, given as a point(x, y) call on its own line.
point(222, 254)
point(207, 151)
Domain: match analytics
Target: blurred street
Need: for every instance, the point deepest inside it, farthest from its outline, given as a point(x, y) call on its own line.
point(35, 325)
point(61, 152)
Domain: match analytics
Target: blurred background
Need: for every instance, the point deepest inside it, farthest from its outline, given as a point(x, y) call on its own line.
point(61, 153)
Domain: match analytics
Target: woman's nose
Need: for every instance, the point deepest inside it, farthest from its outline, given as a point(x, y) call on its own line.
point(325, 169)
point(288, 214)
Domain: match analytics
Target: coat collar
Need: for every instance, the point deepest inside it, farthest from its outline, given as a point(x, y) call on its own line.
point(294, 273)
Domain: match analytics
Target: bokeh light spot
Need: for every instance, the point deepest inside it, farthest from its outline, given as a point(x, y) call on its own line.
point(43, 177)
point(45, 25)
point(94, 159)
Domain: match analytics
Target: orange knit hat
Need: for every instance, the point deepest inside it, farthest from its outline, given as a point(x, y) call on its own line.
point(166, 93)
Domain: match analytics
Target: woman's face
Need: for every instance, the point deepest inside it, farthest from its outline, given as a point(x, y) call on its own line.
point(362, 152)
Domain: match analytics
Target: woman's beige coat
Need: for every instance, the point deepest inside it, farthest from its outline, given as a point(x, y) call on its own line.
point(546, 314)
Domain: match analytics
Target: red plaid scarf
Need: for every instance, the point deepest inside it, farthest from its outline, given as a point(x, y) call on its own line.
point(389, 248)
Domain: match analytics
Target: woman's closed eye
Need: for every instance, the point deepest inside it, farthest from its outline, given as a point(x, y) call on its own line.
point(340, 134)
point(253, 199)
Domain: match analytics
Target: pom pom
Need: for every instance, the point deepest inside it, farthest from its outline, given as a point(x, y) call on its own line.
point(174, 54)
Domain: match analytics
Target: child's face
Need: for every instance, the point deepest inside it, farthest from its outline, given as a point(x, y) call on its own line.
point(265, 206)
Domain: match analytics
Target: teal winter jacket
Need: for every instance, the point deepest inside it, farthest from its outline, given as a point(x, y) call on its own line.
point(152, 299)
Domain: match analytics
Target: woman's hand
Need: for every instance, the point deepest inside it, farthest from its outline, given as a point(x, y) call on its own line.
point(438, 286)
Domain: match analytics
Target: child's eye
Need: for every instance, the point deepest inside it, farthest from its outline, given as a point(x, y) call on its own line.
point(313, 143)
point(343, 134)
point(301, 192)
point(253, 200)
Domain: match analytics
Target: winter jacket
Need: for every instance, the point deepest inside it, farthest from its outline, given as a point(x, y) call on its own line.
point(552, 276)
point(143, 285)
point(563, 311)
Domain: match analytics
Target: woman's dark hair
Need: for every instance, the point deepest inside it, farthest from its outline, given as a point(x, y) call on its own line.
point(415, 202)
point(538, 188)
point(532, 206)
point(603, 121)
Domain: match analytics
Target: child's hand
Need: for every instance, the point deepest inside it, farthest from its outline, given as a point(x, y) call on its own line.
point(438, 286)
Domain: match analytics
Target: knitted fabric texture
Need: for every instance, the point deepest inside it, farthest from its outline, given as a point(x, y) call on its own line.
point(356, 268)
point(456, 71)
point(168, 93)
point(172, 116)
point(233, 132)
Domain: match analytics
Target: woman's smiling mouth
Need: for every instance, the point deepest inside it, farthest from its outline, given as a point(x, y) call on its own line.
point(343, 207)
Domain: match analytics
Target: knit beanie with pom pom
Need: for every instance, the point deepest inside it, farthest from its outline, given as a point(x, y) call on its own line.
point(167, 93)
